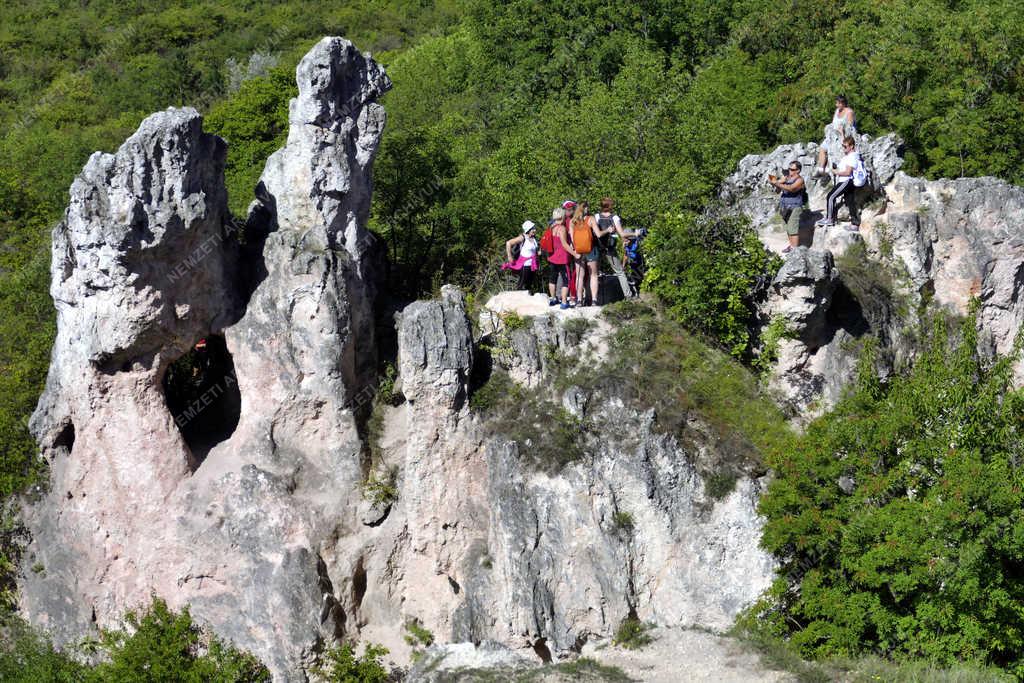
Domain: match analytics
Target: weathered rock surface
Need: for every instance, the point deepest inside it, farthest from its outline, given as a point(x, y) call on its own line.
point(812, 364)
point(528, 358)
point(143, 268)
point(945, 241)
point(481, 545)
point(265, 531)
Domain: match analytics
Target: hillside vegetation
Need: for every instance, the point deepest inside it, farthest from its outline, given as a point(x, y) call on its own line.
point(500, 111)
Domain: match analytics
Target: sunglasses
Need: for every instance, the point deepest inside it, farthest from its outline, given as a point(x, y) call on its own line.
point(794, 169)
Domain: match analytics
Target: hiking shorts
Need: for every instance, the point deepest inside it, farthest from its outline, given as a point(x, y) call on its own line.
point(791, 217)
point(558, 271)
point(593, 255)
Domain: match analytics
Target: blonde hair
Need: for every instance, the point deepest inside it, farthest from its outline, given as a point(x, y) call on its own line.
point(558, 214)
point(579, 215)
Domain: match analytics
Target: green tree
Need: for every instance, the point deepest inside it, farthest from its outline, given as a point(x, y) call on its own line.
point(898, 520)
point(705, 268)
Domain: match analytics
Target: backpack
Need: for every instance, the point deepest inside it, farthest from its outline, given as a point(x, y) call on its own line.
point(582, 237)
point(607, 241)
point(517, 248)
point(547, 242)
point(861, 176)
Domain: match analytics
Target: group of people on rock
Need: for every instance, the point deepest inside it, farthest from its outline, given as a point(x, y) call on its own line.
point(574, 243)
point(847, 170)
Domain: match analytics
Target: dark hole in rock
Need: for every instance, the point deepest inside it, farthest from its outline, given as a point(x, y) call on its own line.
point(65, 441)
point(454, 584)
point(358, 584)
point(202, 395)
point(542, 650)
point(483, 366)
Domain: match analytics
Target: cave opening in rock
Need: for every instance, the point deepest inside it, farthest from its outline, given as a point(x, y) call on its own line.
point(65, 441)
point(202, 394)
point(358, 585)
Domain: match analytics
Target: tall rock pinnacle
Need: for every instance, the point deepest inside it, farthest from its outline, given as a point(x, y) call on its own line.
point(198, 414)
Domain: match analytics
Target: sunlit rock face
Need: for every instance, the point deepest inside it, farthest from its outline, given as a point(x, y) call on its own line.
point(166, 318)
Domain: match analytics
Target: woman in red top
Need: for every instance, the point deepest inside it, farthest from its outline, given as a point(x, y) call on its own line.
point(560, 260)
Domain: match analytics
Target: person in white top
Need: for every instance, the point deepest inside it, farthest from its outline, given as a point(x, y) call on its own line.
point(844, 188)
point(843, 125)
point(526, 262)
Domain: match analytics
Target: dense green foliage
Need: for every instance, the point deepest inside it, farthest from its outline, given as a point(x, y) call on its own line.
point(340, 665)
point(527, 103)
point(920, 553)
point(706, 268)
point(155, 645)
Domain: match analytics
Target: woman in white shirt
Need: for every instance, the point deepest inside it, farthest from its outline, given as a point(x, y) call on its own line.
point(844, 188)
point(526, 263)
point(843, 125)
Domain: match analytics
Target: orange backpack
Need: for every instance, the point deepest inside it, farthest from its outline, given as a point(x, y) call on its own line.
point(582, 237)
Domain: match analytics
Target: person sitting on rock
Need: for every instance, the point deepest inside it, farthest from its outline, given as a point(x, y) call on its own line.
point(843, 189)
point(560, 260)
point(526, 261)
point(843, 125)
point(791, 202)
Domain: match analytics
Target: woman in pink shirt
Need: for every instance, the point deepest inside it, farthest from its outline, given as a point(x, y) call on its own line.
point(560, 260)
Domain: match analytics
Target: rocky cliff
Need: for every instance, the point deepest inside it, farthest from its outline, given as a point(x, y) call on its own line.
point(199, 411)
point(206, 420)
point(923, 246)
point(214, 439)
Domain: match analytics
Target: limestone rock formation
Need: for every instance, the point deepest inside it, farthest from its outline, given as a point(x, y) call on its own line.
point(943, 242)
point(492, 548)
point(144, 268)
point(207, 423)
point(437, 350)
point(811, 361)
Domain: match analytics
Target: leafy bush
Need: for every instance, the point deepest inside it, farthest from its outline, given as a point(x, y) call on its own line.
point(632, 634)
point(720, 484)
point(622, 521)
point(921, 557)
point(26, 656)
point(339, 664)
point(155, 645)
point(381, 488)
point(159, 645)
point(386, 393)
point(771, 336)
point(706, 268)
point(417, 635)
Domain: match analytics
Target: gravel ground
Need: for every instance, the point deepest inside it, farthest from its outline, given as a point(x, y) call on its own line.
point(687, 656)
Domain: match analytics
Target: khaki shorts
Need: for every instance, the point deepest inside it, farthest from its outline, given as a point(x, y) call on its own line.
point(791, 217)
